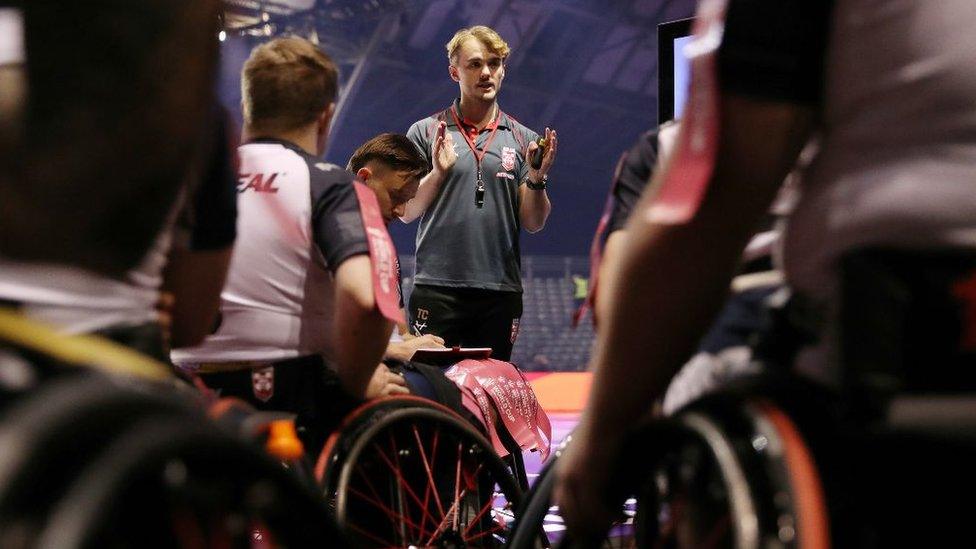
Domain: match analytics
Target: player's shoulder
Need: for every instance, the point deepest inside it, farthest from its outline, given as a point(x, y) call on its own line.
point(325, 176)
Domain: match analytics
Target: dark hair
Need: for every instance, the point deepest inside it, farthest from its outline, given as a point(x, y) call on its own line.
point(286, 83)
point(393, 150)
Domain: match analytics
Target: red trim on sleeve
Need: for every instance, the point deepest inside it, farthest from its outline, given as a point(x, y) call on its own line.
point(382, 254)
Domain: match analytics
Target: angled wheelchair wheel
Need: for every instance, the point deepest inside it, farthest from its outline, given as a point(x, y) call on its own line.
point(406, 472)
point(734, 472)
point(727, 471)
point(173, 483)
point(48, 436)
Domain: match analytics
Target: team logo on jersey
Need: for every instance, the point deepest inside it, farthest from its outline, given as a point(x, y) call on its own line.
point(262, 383)
point(257, 182)
point(515, 329)
point(508, 158)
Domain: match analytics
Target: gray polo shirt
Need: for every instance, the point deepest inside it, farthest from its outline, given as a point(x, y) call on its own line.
point(460, 245)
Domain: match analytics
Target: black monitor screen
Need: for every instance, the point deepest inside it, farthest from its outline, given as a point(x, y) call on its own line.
point(675, 71)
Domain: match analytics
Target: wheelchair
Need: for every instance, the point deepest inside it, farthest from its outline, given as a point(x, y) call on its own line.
point(405, 471)
point(96, 460)
point(883, 459)
point(401, 471)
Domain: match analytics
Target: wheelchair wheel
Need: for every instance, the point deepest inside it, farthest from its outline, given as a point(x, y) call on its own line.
point(725, 472)
point(734, 473)
point(48, 436)
point(407, 472)
point(173, 483)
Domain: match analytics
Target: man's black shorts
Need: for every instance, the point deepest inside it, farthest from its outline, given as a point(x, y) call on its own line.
point(467, 317)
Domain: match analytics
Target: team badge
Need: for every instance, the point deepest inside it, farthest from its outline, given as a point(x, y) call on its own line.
point(515, 329)
point(508, 158)
point(262, 383)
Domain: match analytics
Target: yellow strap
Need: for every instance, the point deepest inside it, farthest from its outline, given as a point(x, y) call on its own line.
point(78, 350)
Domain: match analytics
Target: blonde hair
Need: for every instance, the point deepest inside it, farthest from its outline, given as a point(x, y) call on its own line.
point(286, 83)
point(486, 35)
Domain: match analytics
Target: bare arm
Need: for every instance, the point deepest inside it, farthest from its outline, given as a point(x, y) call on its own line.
point(442, 151)
point(534, 206)
point(669, 282)
point(606, 287)
point(360, 331)
point(195, 278)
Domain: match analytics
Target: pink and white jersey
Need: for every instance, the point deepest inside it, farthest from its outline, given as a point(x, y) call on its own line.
point(298, 219)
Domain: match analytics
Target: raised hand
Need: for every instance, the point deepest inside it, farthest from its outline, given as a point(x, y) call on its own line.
point(443, 152)
point(547, 158)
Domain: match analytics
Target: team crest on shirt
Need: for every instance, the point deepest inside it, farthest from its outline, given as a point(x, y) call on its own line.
point(262, 383)
point(508, 158)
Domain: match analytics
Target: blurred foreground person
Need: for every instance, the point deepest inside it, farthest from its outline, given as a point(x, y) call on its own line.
point(97, 178)
point(304, 317)
point(895, 169)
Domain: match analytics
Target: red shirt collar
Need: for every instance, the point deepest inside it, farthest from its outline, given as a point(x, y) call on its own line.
point(470, 127)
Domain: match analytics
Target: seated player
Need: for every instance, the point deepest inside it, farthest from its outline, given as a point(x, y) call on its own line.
point(194, 241)
point(302, 326)
point(391, 166)
point(189, 257)
point(96, 152)
point(386, 165)
point(895, 169)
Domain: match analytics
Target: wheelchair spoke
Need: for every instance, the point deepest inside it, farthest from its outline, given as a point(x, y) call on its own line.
point(428, 468)
point(484, 509)
point(403, 483)
point(452, 511)
point(379, 505)
point(376, 495)
point(406, 462)
point(498, 528)
point(457, 485)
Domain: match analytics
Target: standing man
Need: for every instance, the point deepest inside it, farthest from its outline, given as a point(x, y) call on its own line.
point(480, 191)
